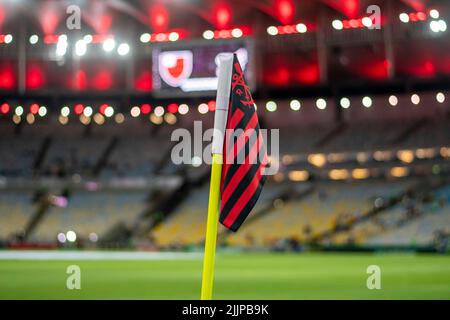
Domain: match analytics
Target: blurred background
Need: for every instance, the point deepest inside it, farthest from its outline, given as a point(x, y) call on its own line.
point(90, 92)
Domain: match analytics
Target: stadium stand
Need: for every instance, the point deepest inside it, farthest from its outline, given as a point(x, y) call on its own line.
point(16, 207)
point(87, 160)
point(91, 213)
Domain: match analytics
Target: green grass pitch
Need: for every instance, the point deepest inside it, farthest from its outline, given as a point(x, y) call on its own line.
point(238, 276)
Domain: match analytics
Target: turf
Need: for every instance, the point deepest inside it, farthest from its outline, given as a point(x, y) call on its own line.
point(238, 276)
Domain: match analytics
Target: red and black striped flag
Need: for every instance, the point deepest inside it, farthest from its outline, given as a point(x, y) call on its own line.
point(244, 154)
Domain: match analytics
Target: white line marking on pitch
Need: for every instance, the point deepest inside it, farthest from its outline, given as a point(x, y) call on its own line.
point(96, 255)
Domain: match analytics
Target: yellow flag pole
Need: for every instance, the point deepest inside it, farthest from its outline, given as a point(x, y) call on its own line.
point(220, 118)
point(211, 228)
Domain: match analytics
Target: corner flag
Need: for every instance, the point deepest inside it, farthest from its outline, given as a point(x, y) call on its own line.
point(236, 184)
point(242, 181)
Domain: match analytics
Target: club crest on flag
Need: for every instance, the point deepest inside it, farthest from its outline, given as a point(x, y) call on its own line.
point(175, 66)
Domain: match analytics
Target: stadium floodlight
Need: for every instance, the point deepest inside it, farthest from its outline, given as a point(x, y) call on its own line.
point(88, 111)
point(271, 106)
point(135, 111)
point(434, 14)
point(272, 30)
point(16, 119)
point(174, 36)
point(65, 111)
point(80, 48)
point(170, 118)
point(63, 120)
point(109, 111)
point(109, 45)
point(295, 105)
point(440, 97)
point(237, 33)
point(85, 120)
point(345, 103)
point(393, 100)
point(203, 108)
point(145, 37)
point(155, 119)
point(30, 118)
point(367, 102)
point(42, 111)
point(196, 161)
point(321, 104)
point(61, 45)
point(119, 118)
point(34, 39)
point(88, 38)
point(415, 99)
point(8, 38)
point(183, 108)
point(71, 236)
point(99, 119)
point(159, 111)
point(434, 26)
point(93, 237)
point(123, 49)
point(301, 28)
point(367, 22)
point(19, 111)
point(337, 24)
point(404, 17)
point(298, 175)
point(61, 49)
point(208, 34)
point(61, 237)
point(399, 172)
point(442, 25)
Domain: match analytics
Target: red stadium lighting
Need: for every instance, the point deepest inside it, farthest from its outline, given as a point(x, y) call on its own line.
point(222, 14)
point(103, 24)
point(34, 108)
point(103, 107)
point(287, 29)
point(417, 16)
point(7, 77)
point(102, 80)
point(49, 16)
point(79, 109)
point(364, 22)
point(159, 17)
point(51, 38)
point(227, 33)
point(4, 108)
point(80, 80)
point(171, 36)
point(6, 38)
point(100, 38)
point(146, 108)
point(284, 10)
point(35, 77)
point(172, 108)
point(421, 16)
point(143, 81)
point(211, 105)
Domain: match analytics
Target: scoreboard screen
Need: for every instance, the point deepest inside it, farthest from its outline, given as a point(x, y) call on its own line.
point(191, 69)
